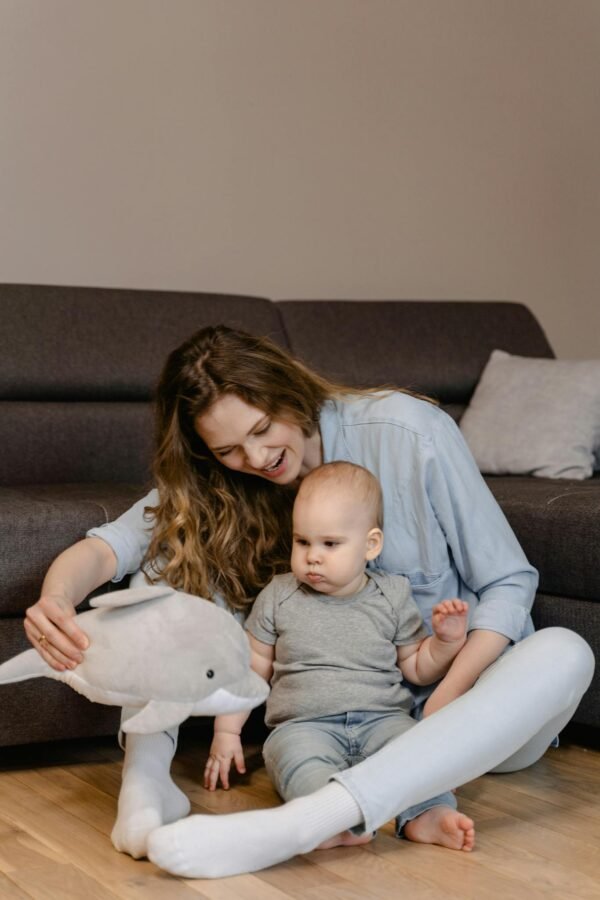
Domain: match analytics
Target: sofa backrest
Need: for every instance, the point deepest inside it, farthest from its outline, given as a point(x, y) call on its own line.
point(438, 348)
point(78, 367)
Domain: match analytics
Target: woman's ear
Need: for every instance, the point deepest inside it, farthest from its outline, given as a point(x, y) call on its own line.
point(374, 543)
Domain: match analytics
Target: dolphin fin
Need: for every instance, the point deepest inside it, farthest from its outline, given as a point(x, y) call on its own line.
point(130, 596)
point(26, 665)
point(158, 715)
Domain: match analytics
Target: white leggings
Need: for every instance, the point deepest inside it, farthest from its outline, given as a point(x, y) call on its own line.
point(505, 722)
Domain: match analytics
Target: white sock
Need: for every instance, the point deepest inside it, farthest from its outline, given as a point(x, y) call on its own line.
point(201, 846)
point(148, 798)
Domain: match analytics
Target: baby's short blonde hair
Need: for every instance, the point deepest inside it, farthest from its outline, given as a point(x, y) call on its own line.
point(359, 483)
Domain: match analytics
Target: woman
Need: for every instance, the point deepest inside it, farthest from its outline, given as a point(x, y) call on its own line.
point(239, 423)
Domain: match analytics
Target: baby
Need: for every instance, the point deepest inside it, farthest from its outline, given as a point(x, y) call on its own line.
point(335, 639)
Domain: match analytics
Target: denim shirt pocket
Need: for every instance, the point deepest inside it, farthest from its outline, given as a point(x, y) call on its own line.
point(430, 588)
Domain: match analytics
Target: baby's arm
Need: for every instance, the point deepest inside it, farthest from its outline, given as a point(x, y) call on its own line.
point(226, 743)
point(429, 660)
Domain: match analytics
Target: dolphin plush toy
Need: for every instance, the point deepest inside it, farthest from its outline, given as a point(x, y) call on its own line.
point(169, 653)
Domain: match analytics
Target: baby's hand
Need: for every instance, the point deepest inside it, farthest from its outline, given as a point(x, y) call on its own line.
point(449, 620)
point(225, 748)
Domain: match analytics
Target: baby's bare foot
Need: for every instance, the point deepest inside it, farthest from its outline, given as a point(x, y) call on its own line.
point(442, 825)
point(346, 839)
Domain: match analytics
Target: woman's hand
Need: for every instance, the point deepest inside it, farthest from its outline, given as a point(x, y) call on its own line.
point(51, 629)
point(50, 623)
point(225, 747)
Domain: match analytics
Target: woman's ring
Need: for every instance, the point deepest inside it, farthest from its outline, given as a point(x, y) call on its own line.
point(42, 640)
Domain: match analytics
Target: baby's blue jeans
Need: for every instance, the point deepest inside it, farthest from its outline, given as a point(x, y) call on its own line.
point(301, 757)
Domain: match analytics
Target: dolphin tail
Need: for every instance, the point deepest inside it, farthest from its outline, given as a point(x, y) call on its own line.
point(26, 665)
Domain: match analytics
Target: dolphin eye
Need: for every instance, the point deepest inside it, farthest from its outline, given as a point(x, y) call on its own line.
point(210, 673)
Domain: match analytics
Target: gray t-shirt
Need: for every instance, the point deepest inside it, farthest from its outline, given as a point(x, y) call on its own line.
point(335, 654)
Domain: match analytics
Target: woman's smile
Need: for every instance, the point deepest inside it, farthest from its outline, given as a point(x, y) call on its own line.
point(276, 468)
point(247, 439)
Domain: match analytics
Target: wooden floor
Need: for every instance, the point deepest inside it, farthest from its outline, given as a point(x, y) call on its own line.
point(538, 835)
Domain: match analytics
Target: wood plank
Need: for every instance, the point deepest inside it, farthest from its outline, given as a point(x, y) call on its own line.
point(378, 871)
point(537, 836)
point(240, 887)
point(494, 791)
point(569, 786)
point(105, 777)
point(64, 881)
point(437, 871)
point(552, 848)
point(67, 835)
point(298, 876)
point(515, 860)
point(85, 802)
point(19, 850)
point(10, 891)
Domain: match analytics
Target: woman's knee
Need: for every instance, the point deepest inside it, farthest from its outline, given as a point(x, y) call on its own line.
point(564, 657)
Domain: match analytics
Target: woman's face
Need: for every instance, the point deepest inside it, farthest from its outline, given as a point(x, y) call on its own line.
point(246, 439)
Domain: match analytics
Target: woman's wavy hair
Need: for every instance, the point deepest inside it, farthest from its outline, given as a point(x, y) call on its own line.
point(215, 529)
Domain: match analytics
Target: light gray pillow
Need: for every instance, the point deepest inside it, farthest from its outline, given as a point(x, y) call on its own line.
point(535, 417)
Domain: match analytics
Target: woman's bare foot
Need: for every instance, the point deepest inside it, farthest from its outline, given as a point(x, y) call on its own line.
point(442, 825)
point(346, 839)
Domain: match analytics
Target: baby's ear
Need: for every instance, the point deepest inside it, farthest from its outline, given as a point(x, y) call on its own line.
point(374, 543)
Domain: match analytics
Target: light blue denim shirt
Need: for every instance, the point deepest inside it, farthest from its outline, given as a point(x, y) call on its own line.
point(443, 528)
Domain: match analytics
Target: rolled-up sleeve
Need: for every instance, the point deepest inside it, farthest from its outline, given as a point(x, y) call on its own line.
point(487, 555)
point(129, 535)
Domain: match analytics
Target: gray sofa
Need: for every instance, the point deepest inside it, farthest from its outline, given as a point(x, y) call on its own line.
point(77, 371)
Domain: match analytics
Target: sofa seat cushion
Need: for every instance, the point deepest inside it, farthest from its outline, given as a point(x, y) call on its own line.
point(558, 526)
point(37, 522)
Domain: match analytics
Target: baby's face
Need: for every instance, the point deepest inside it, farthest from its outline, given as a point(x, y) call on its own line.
point(333, 538)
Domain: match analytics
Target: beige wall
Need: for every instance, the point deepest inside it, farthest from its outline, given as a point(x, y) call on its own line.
point(308, 148)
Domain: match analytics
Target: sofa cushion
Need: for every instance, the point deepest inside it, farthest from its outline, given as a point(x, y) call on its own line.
point(38, 522)
point(558, 526)
point(75, 442)
point(436, 347)
point(71, 343)
point(535, 417)
point(79, 366)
